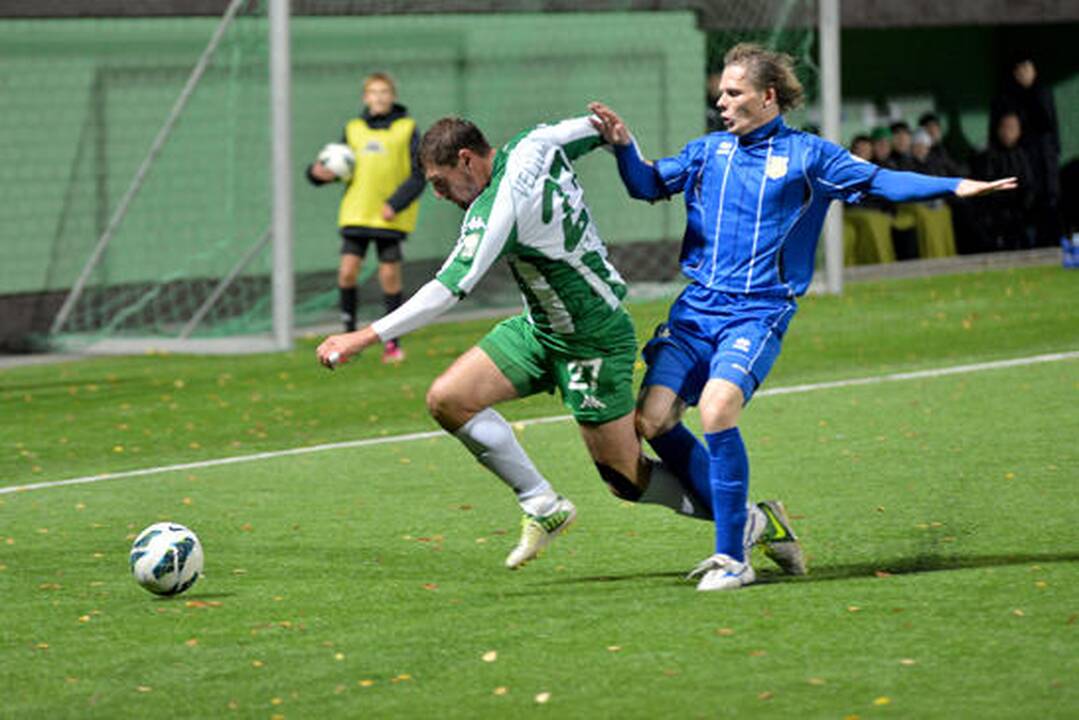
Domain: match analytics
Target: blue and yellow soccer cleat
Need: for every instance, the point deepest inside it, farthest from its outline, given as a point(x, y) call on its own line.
point(537, 532)
point(780, 543)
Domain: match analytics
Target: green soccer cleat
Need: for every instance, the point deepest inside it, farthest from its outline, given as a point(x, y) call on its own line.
point(780, 543)
point(537, 532)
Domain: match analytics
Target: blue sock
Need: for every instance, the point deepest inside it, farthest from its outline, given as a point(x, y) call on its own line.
point(683, 453)
point(730, 489)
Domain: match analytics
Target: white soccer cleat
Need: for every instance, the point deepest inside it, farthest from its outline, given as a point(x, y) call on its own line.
point(537, 532)
point(722, 572)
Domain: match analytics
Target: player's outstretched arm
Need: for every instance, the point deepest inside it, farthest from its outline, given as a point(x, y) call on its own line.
point(609, 124)
point(638, 175)
point(337, 349)
point(973, 188)
point(428, 303)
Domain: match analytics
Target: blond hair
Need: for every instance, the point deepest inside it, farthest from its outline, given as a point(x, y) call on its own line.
point(380, 77)
point(768, 69)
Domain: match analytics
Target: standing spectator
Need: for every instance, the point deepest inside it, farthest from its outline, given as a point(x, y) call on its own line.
point(380, 201)
point(901, 141)
point(1032, 101)
point(1006, 219)
point(862, 147)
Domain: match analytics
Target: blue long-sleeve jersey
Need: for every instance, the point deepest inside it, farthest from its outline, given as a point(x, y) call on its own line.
point(755, 203)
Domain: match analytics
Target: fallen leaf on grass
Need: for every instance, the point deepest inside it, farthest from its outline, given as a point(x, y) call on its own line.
point(501, 690)
point(193, 642)
point(403, 677)
point(724, 632)
point(144, 688)
point(908, 662)
point(490, 656)
point(365, 683)
point(614, 648)
point(766, 695)
point(543, 697)
point(817, 681)
point(882, 700)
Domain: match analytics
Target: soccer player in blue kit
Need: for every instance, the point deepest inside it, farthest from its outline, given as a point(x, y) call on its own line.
point(756, 196)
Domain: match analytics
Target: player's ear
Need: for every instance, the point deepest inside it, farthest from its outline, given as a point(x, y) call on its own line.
point(770, 97)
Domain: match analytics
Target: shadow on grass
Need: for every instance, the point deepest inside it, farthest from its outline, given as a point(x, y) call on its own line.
point(194, 596)
point(921, 564)
point(823, 573)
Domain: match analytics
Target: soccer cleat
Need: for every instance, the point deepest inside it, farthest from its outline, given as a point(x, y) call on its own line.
point(722, 572)
point(392, 353)
point(780, 543)
point(537, 532)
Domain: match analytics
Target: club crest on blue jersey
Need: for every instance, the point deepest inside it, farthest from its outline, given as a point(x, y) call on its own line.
point(776, 167)
point(725, 148)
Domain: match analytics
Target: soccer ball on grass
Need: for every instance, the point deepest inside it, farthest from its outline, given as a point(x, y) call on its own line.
point(166, 558)
point(338, 159)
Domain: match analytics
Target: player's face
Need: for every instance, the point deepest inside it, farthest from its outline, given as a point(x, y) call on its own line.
point(743, 107)
point(459, 184)
point(379, 97)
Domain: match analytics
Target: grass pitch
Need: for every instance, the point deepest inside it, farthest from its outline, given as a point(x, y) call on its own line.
point(937, 513)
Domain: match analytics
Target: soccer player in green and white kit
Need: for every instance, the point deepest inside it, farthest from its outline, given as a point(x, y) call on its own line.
point(524, 203)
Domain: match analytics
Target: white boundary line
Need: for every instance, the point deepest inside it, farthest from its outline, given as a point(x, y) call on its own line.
point(789, 390)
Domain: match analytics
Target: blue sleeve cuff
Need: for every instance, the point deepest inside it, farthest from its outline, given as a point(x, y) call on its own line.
point(907, 186)
point(640, 178)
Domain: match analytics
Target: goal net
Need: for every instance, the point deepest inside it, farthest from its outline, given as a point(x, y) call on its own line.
point(113, 136)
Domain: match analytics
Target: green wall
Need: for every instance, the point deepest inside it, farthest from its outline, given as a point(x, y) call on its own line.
point(83, 100)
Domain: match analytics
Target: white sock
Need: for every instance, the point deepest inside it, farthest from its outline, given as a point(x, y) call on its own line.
point(664, 488)
point(490, 438)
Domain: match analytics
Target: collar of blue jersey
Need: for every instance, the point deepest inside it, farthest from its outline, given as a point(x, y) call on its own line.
point(762, 133)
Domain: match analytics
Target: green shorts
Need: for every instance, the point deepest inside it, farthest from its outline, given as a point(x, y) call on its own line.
point(594, 376)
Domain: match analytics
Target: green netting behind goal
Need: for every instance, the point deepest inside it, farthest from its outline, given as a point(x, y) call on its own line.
point(84, 99)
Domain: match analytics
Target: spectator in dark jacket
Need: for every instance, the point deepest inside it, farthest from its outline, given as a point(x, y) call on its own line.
point(1007, 222)
point(1032, 101)
point(901, 140)
point(939, 156)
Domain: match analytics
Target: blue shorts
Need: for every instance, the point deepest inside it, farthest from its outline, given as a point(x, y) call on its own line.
point(711, 334)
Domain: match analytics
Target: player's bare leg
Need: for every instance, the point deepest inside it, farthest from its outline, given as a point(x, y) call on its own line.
point(616, 451)
point(461, 400)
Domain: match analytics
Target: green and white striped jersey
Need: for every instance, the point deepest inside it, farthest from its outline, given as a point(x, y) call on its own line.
point(533, 213)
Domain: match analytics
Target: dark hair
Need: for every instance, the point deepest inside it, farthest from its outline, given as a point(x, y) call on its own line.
point(862, 137)
point(446, 137)
point(929, 117)
point(768, 69)
point(899, 126)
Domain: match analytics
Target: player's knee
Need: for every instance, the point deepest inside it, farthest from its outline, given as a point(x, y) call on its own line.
point(441, 401)
point(721, 414)
point(649, 426)
point(619, 485)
